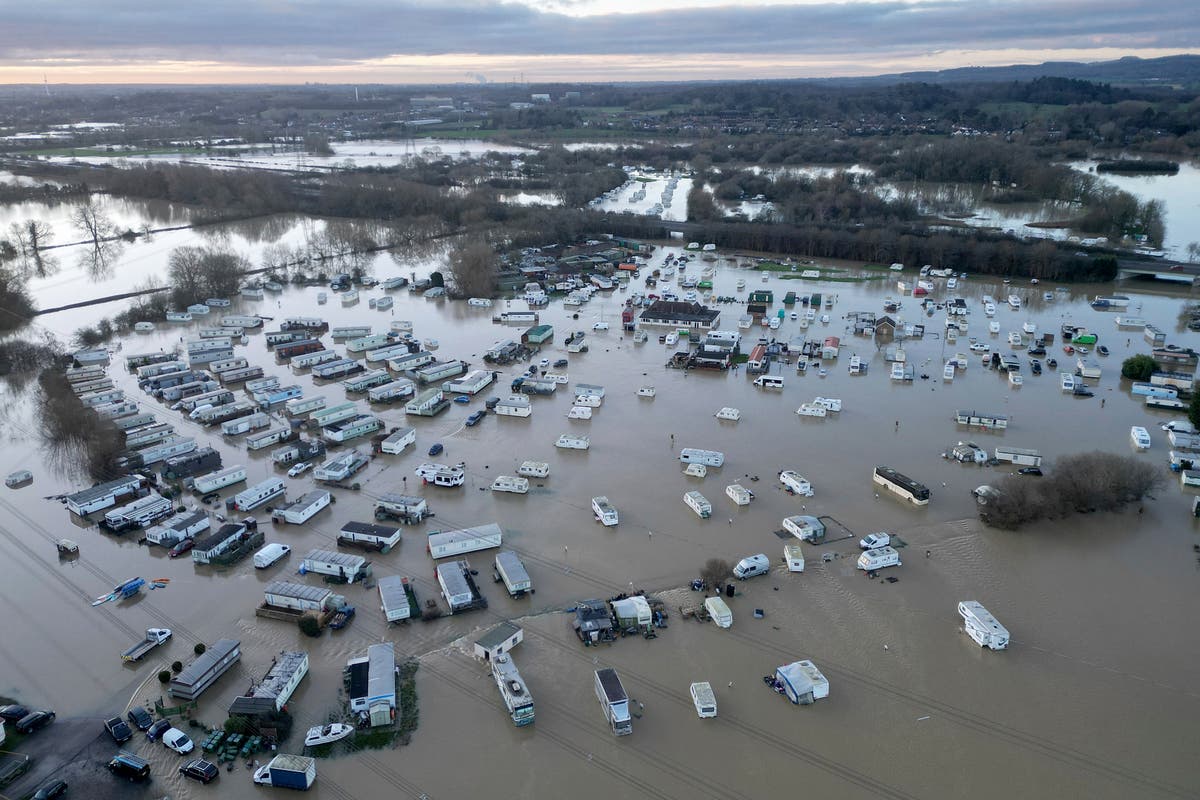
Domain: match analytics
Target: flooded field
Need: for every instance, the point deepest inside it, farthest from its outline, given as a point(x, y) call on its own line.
point(1101, 609)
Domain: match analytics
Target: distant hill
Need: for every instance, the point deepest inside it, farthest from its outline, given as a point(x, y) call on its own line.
point(1129, 70)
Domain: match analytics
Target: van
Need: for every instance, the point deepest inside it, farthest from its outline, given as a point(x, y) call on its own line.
point(752, 565)
point(769, 381)
point(129, 766)
point(878, 558)
point(270, 554)
point(198, 411)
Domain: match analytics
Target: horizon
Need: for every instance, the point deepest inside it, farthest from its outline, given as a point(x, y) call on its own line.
point(411, 42)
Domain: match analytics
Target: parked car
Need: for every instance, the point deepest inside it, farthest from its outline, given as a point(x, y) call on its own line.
point(475, 418)
point(545, 362)
point(35, 720)
point(463, 399)
point(1035, 471)
point(200, 770)
point(562, 362)
point(299, 469)
point(178, 741)
point(51, 790)
point(158, 729)
point(491, 403)
point(13, 713)
point(600, 326)
point(436, 449)
point(140, 718)
point(129, 766)
point(118, 730)
point(181, 547)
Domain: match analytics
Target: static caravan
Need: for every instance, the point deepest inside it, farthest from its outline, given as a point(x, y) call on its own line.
point(177, 527)
point(148, 434)
point(386, 353)
point(315, 324)
point(512, 572)
point(300, 596)
point(981, 626)
point(345, 566)
point(473, 382)
point(230, 412)
point(302, 509)
point(160, 451)
point(404, 508)
point(103, 495)
point(514, 406)
point(139, 513)
point(260, 493)
point(352, 428)
point(350, 331)
point(427, 404)
point(438, 370)
point(1018, 456)
point(338, 413)
point(698, 503)
point(238, 321)
point(241, 374)
point(281, 337)
point(337, 369)
point(411, 361)
point(718, 610)
point(364, 343)
point(263, 384)
point(159, 368)
point(398, 439)
point(195, 462)
point(443, 544)
point(709, 458)
point(210, 354)
point(313, 359)
point(303, 405)
point(301, 450)
point(128, 422)
point(339, 468)
point(269, 398)
point(213, 481)
point(458, 587)
point(397, 598)
point(116, 410)
point(1154, 390)
point(369, 536)
point(793, 556)
point(268, 438)
point(134, 362)
point(367, 380)
point(391, 391)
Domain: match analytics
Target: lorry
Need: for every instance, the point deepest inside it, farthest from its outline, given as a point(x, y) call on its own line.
point(288, 772)
point(613, 701)
point(154, 637)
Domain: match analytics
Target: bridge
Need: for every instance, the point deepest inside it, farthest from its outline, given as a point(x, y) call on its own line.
point(1159, 269)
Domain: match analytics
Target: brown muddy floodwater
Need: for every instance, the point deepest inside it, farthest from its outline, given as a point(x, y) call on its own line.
point(1096, 697)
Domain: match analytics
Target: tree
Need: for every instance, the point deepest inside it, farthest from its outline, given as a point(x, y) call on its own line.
point(197, 273)
point(473, 266)
point(199, 648)
point(1139, 367)
point(29, 239)
point(1194, 410)
point(715, 571)
point(164, 676)
point(700, 205)
point(309, 625)
point(100, 235)
point(177, 667)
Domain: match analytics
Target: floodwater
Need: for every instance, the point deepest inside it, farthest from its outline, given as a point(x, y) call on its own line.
point(654, 186)
point(1178, 193)
point(1095, 697)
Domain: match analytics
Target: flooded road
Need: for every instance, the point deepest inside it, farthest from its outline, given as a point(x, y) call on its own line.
point(1094, 698)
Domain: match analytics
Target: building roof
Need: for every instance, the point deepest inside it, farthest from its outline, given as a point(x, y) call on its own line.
point(220, 536)
point(370, 529)
point(347, 560)
point(287, 664)
point(197, 670)
point(251, 706)
point(673, 311)
point(103, 490)
point(498, 635)
point(299, 591)
point(592, 615)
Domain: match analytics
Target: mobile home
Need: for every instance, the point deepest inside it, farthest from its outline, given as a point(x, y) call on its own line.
point(213, 481)
point(397, 598)
point(267, 438)
point(473, 382)
point(391, 391)
point(139, 513)
point(352, 428)
point(444, 544)
point(303, 405)
point(345, 566)
point(259, 493)
point(338, 413)
point(313, 359)
point(367, 380)
point(458, 587)
point(709, 458)
point(1018, 456)
point(302, 509)
point(511, 571)
point(369, 536)
point(398, 439)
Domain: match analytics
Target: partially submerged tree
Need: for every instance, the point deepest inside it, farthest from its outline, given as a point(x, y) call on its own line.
point(28, 240)
point(715, 571)
point(197, 273)
point(473, 267)
point(1139, 367)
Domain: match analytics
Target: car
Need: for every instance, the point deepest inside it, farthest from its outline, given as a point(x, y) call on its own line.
point(1035, 366)
point(1083, 391)
point(211, 497)
point(462, 399)
point(545, 362)
point(1102, 350)
point(1035, 471)
point(600, 326)
point(562, 362)
point(200, 770)
point(476, 418)
point(158, 729)
point(118, 730)
point(140, 718)
point(127, 765)
point(34, 720)
point(299, 469)
point(50, 790)
point(1176, 268)
point(436, 449)
point(1037, 350)
point(13, 713)
point(178, 741)
point(181, 547)
point(1068, 349)
point(874, 540)
point(491, 403)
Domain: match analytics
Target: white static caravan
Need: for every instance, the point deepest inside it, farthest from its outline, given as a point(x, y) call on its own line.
point(739, 494)
point(237, 321)
point(393, 390)
point(511, 570)
point(350, 331)
point(225, 365)
point(340, 467)
point(364, 343)
point(1188, 477)
point(793, 556)
point(370, 536)
point(514, 406)
point(303, 405)
point(338, 413)
point(394, 592)
point(260, 493)
point(258, 441)
point(398, 439)
point(388, 352)
point(178, 527)
point(698, 503)
point(709, 458)
point(247, 424)
point(367, 380)
point(718, 610)
point(302, 509)
point(427, 403)
point(453, 578)
point(444, 544)
point(313, 359)
point(352, 428)
point(140, 512)
point(605, 512)
point(213, 481)
point(1018, 456)
point(473, 382)
point(339, 565)
point(411, 361)
point(432, 373)
point(981, 626)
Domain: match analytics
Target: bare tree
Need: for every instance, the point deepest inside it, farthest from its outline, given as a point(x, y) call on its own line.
point(30, 238)
point(715, 571)
point(100, 236)
point(473, 266)
point(197, 273)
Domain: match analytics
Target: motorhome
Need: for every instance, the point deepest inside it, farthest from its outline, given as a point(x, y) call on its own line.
point(878, 558)
point(981, 626)
point(1140, 437)
point(606, 513)
point(769, 381)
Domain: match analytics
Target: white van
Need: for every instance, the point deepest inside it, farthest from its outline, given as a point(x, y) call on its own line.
point(199, 410)
point(769, 381)
point(752, 565)
point(878, 558)
point(270, 554)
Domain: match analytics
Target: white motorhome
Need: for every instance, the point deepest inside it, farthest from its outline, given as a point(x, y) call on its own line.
point(981, 626)
point(878, 558)
point(704, 700)
point(769, 381)
point(605, 512)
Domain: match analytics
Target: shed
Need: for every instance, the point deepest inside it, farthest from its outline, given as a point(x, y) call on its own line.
point(373, 686)
point(500, 639)
point(885, 327)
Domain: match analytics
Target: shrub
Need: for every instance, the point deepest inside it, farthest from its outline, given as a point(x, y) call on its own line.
point(309, 625)
point(164, 676)
point(199, 648)
point(177, 667)
point(1139, 367)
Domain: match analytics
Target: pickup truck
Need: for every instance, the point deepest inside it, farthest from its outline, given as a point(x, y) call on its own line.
point(154, 637)
point(342, 618)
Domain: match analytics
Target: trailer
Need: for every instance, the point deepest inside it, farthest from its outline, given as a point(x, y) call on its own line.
point(402, 508)
point(138, 360)
point(350, 331)
point(247, 424)
point(219, 479)
point(185, 390)
point(116, 410)
point(239, 375)
point(259, 493)
point(1019, 456)
point(209, 354)
point(718, 611)
point(613, 701)
point(698, 503)
point(302, 509)
point(313, 324)
point(104, 495)
point(411, 361)
point(313, 359)
point(154, 637)
point(280, 337)
point(801, 682)
point(177, 527)
point(302, 450)
point(437, 371)
point(458, 587)
point(217, 397)
point(226, 413)
point(92, 399)
point(367, 380)
point(339, 468)
point(333, 414)
point(290, 350)
point(339, 368)
point(391, 391)
point(129, 422)
point(428, 403)
point(148, 434)
point(352, 428)
point(793, 556)
point(368, 536)
point(204, 671)
point(288, 772)
point(262, 384)
point(444, 544)
point(386, 353)
point(168, 365)
point(365, 343)
point(346, 567)
point(301, 597)
point(511, 570)
point(269, 398)
point(473, 382)
point(709, 458)
point(303, 405)
point(241, 321)
point(159, 451)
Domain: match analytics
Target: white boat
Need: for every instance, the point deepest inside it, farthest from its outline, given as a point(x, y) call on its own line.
point(646, 391)
point(695, 470)
point(350, 298)
point(948, 371)
point(994, 327)
point(796, 483)
point(327, 734)
point(507, 483)
point(143, 327)
point(479, 302)
point(741, 284)
point(579, 412)
point(1014, 302)
point(178, 316)
point(1029, 328)
point(533, 469)
point(1015, 379)
point(1014, 339)
point(812, 410)
point(569, 442)
point(252, 293)
point(384, 303)
point(989, 309)
point(731, 414)
point(322, 298)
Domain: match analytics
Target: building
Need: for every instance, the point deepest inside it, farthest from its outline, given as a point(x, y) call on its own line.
point(373, 684)
point(592, 621)
point(681, 315)
point(104, 495)
point(885, 327)
point(500, 639)
point(225, 538)
point(205, 670)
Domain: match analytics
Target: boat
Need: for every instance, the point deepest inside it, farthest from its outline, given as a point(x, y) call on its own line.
point(731, 414)
point(179, 316)
point(646, 391)
point(994, 327)
point(1014, 302)
point(350, 298)
point(143, 327)
point(327, 734)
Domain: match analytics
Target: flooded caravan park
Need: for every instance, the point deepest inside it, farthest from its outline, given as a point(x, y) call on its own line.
point(1101, 609)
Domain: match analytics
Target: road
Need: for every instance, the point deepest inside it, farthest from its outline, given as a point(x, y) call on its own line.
point(76, 751)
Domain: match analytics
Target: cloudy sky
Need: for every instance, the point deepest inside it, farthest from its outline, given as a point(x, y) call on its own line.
point(401, 41)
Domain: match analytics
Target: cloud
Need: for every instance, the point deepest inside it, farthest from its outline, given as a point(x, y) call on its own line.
point(317, 33)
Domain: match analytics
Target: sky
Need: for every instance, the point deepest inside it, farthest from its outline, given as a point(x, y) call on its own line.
point(451, 41)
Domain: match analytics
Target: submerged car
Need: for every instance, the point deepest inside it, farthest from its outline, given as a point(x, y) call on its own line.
point(178, 741)
point(436, 449)
point(462, 399)
point(476, 418)
point(198, 769)
point(562, 362)
point(181, 547)
point(1035, 471)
